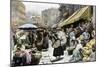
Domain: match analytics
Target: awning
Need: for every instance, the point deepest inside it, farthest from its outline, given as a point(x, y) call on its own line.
point(83, 13)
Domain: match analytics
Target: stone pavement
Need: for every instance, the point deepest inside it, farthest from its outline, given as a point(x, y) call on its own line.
point(47, 57)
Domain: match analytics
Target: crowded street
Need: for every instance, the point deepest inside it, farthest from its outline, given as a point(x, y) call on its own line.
point(53, 34)
point(64, 51)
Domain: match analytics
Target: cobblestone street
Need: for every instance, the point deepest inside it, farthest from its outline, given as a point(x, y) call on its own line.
point(47, 57)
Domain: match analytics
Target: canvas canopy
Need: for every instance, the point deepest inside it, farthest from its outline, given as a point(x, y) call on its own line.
point(83, 13)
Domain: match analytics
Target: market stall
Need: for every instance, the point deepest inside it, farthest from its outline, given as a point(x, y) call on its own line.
point(83, 13)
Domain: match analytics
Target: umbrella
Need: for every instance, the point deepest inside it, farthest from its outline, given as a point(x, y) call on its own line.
point(28, 26)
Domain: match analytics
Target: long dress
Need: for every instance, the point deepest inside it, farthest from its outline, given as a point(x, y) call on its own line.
point(58, 49)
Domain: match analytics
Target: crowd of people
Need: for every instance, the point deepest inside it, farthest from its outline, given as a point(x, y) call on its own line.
point(78, 40)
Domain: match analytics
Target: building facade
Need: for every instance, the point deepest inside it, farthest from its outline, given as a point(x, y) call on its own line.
point(18, 15)
point(50, 16)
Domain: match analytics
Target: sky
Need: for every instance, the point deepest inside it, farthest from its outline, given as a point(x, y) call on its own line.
point(38, 7)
